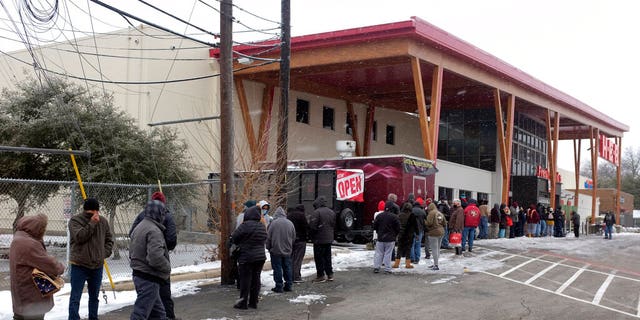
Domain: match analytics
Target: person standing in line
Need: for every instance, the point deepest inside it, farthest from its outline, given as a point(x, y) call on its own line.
point(575, 221)
point(299, 220)
point(280, 237)
point(494, 221)
point(91, 243)
point(435, 225)
point(171, 239)
point(443, 206)
point(515, 217)
point(387, 226)
point(264, 206)
point(541, 227)
point(251, 237)
point(552, 227)
point(380, 210)
point(471, 221)
point(418, 215)
point(503, 225)
point(248, 204)
point(408, 229)
point(484, 220)
point(26, 252)
point(149, 261)
point(609, 221)
point(322, 224)
point(457, 221)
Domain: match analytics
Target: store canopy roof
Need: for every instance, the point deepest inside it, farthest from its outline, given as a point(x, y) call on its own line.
point(372, 65)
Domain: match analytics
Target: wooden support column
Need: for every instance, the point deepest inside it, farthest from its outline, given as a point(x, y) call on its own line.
point(505, 140)
point(594, 170)
point(618, 141)
point(553, 130)
point(354, 126)
point(577, 145)
point(422, 109)
point(436, 104)
point(265, 121)
point(368, 130)
point(246, 118)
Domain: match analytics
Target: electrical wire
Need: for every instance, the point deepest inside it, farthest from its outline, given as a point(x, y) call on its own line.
point(215, 35)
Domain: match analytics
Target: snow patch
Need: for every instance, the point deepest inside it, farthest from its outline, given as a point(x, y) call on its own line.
point(308, 299)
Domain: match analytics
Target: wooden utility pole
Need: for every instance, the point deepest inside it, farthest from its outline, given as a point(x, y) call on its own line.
point(226, 139)
point(283, 120)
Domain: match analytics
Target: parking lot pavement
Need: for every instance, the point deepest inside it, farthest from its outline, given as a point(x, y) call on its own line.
point(527, 283)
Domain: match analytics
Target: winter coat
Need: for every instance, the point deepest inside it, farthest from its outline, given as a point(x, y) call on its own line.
point(251, 236)
point(148, 252)
point(420, 216)
point(300, 223)
point(436, 222)
point(170, 230)
point(408, 224)
point(387, 226)
point(27, 251)
point(444, 208)
point(609, 219)
point(91, 242)
point(575, 219)
point(471, 215)
point(457, 219)
point(322, 222)
point(494, 217)
point(514, 214)
point(503, 216)
point(281, 234)
point(533, 217)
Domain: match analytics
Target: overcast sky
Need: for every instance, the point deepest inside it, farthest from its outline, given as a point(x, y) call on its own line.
point(585, 48)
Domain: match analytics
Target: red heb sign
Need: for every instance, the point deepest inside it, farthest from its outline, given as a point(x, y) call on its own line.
point(544, 173)
point(350, 185)
point(608, 150)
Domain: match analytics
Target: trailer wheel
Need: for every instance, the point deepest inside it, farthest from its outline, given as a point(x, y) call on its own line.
point(347, 219)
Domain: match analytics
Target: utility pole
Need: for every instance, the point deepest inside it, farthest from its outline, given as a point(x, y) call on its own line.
point(227, 203)
point(283, 120)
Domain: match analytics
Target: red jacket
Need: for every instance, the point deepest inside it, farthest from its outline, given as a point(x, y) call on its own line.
point(471, 216)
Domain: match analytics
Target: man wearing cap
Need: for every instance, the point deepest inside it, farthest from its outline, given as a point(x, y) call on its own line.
point(91, 243)
point(171, 239)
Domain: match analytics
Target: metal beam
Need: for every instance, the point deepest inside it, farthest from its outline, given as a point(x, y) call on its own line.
point(43, 150)
point(162, 123)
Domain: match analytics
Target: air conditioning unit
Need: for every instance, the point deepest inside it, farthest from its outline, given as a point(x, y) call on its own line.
point(345, 148)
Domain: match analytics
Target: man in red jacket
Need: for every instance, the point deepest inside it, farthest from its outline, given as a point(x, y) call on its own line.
point(471, 221)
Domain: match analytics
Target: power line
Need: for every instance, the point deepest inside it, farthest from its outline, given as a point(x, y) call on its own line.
point(216, 35)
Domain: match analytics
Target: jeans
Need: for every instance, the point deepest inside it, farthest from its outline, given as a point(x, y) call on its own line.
point(148, 303)
point(502, 232)
point(484, 225)
point(415, 248)
point(299, 248)
point(468, 233)
point(322, 258)
point(281, 266)
point(543, 228)
point(445, 238)
point(93, 278)
point(383, 255)
point(165, 296)
point(608, 230)
point(537, 229)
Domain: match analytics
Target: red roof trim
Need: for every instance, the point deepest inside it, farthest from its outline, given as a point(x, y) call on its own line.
point(425, 31)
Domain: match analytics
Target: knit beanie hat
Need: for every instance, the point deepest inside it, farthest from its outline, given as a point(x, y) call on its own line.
point(91, 204)
point(159, 196)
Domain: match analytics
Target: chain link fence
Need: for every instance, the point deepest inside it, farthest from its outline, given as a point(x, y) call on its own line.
point(192, 204)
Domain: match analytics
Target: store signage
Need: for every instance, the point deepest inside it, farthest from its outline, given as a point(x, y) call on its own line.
point(608, 150)
point(350, 185)
point(544, 173)
point(588, 184)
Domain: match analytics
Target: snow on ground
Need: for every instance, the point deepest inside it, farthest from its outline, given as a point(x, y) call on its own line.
point(343, 259)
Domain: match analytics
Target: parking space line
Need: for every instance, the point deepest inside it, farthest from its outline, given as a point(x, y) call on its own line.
point(572, 279)
point(545, 270)
point(520, 265)
point(507, 258)
point(638, 308)
point(603, 288)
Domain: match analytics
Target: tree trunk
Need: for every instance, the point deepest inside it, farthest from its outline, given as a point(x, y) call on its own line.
point(22, 203)
point(112, 214)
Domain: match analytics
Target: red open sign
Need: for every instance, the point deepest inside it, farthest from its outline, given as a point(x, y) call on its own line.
point(350, 185)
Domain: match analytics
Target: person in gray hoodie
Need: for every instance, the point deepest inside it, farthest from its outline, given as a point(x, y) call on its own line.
point(149, 260)
point(281, 234)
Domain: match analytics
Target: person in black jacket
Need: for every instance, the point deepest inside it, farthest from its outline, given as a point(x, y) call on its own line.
point(251, 237)
point(299, 220)
point(387, 226)
point(322, 224)
point(171, 239)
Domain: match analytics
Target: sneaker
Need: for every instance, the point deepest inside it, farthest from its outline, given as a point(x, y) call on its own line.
point(277, 290)
point(287, 289)
point(435, 268)
point(319, 279)
point(240, 306)
point(388, 272)
point(330, 278)
point(376, 270)
point(431, 266)
point(298, 281)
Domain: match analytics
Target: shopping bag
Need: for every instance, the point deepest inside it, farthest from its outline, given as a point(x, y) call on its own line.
point(455, 239)
point(45, 284)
